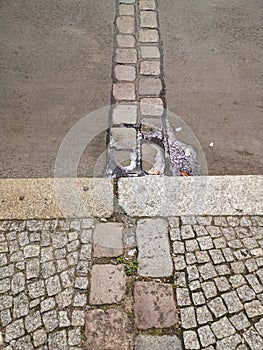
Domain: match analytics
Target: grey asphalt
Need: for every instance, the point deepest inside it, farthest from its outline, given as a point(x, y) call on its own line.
point(55, 67)
point(213, 64)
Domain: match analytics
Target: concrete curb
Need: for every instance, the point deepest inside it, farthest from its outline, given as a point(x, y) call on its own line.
point(138, 197)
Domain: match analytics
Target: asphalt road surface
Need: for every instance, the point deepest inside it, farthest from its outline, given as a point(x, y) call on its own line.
point(55, 67)
point(213, 64)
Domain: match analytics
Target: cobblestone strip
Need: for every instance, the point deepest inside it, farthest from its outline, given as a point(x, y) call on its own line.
point(219, 278)
point(137, 92)
point(44, 267)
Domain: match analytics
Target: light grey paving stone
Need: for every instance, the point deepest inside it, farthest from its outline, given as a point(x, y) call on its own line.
point(188, 317)
point(254, 308)
point(254, 283)
point(47, 304)
point(80, 299)
point(222, 284)
point(110, 329)
point(107, 285)
point(259, 326)
point(206, 336)
point(50, 320)
point(179, 279)
point(154, 257)
point(108, 238)
point(217, 256)
point(147, 342)
point(237, 281)
point(125, 41)
point(192, 272)
point(220, 221)
point(74, 336)
point(191, 245)
point(202, 257)
point(149, 52)
point(209, 289)
point(58, 340)
point(200, 230)
point(18, 283)
point(203, 315)
point(191, 340)
point(33, 321)
point(217, 307)
point(147, 5)
point(23, 343)
point(64, 298)
point(233, 221)
point(222, 328)
point(205, 242)
point(207, 271)
point(150, 86)
point(253, 339)
point(151, 106)
point(183, 297)
point(232, 302)
point(229, 343)
point(245, 293)
point(53, 285)
point(251, 265)
point(126, 10)
point(126, 24)
point(147, 295)
point(219, 243)
point(198, 298)
point(124, 91)
point(194, 285)
point(240, 321)
point(125, 72)
point(178, 247)
point(14, 330)
point(5, 302)
point(187, 232)
point(21, 305)
point(148, 19)
point(148, 36)
point(124, 114)
point(190, 258)
point(39, 337)
point(5, 317)
point(81, 283)
point(63, 319)
point(175, 234)
point(214, 231)
point(78, 318)
point(126, 55)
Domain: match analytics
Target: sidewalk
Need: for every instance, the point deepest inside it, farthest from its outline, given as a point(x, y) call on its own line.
point(196, 283)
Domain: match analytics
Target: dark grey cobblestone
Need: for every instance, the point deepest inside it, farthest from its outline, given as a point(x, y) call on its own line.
point(219, 278)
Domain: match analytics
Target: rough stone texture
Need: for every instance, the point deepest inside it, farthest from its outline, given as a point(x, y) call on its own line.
point(149, 52)
point(147, 4)
point(148, 36)
point(126, 56)
point(125, 73)
point(106, 330)
point(154, 305)
point(144, 342)
point(150, 86)
point(124, 91)
point(126, 10)
point(151, 106)
point(126, 24)
point(150, 68)
point(154, 251)
point(125, 41)
point(124, 114)
point(148, 19)
point(108, 240)
point(107, 284)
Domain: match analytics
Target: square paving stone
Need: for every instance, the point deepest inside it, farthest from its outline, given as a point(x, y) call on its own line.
point(107, 284)
point(146, 342)
point(154, 305)
point(106, 330)
point(108, 240)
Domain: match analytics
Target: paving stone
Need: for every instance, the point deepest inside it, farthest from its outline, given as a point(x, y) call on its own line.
point(194, 285)
point(151, 106)
point(126, 24)
point(219, 243)
point(222, 328)
point(80, 299)
point(107, 284)
point(190, 258)
point(253, 339)
point(147, 342)
point(187, 232)
point(205, 242)
point(126, 56)
point(108, 239)
point(232, 302)
point(254, 308)
point(81, 283)
point(78, 318)
point(125, 72)
point(216, 256)
point(188, 318)
point(245, 293)
point(63, 319)
point(124, 91)
point(23, 343)
point(259, 326)
point(191, 340)
point(147, 5)
point(148, 19)
point(183, 297)
point(175, 234)
point(148, 36)
point(222, 284)
point(220, 221)
point(33, 321)
point(64, 298)
point(53, 285)
point(192, 272)
point(106, 330)
point(124, 114)
point(254, 283)
point(39, 337)
point(125, 41)
point(50, 320)
point(154, 257)
point(5, 317)
point(150, 86)
point(126, 10)
point(217, 307)
point(206, 336)
point(14, 330)
point(203, 315)
point(127, 1)
point(179, 279)
point(202, 257)
point(200, 230)
point(240, 321)
point(74, 336)
point(213, 231)
point(209, 289)
point(149, 52)
point(154, 305)
point(233, 221)
point(21, 305)
point(58, 340)
point(198, 298)
point(229, 342)
point(207, 271)
point(5, 302)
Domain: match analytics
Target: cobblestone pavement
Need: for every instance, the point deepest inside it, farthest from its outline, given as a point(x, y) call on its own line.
point(188, 283)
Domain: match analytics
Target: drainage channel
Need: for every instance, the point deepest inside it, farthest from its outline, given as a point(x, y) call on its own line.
point(141, 140)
